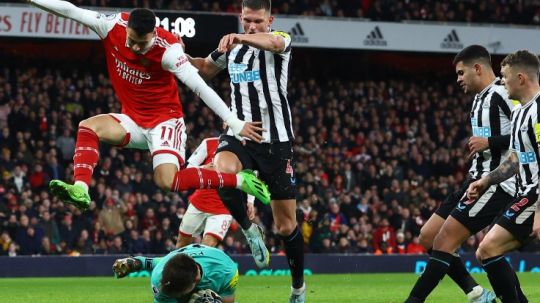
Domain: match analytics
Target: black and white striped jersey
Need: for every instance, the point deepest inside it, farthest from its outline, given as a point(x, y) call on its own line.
point(259, 87)
point(524, 141)
point(490, 118)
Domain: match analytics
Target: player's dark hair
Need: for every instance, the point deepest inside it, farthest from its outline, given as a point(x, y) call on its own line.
point(524, 61)
point(142, 21)
point(179, 274)
point(473, 54)
point(257, 4)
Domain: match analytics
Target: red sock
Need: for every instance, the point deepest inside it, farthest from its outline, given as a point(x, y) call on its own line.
point(196, 178)
point(86, 154)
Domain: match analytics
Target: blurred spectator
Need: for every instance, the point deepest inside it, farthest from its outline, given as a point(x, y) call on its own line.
point(110, 217)
point(384, 238)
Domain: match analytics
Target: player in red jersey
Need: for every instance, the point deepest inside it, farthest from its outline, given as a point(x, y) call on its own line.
point(143, 61)
point(206, 213)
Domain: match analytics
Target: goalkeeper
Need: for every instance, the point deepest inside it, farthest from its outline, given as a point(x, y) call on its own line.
point(192, 274)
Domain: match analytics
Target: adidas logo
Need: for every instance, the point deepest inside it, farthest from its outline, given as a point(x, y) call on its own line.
point(165, 144)
point(375, 38)
point(297, 34)
point(452, 41)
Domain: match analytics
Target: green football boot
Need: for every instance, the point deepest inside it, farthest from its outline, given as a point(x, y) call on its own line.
point(70, 193)
point(252, 185)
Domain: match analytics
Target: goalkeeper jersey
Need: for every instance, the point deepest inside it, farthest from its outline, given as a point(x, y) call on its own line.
point(219, 272)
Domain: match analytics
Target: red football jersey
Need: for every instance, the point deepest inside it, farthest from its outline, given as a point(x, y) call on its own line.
point(206, 200)
point(148, 93)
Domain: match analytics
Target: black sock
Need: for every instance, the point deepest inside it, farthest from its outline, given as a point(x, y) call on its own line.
point(502, 278)
point(436, 269)
point(294, 249)
point(521, 296)
point(234, 200)
point(460, 275)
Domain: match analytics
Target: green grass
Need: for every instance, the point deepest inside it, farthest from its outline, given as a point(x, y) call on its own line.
point(370, 288)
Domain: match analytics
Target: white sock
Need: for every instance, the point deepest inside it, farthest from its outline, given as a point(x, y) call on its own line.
point(83, 184)
point(249, 229)
point(239, 181)
point(475, 292)
point(298, 291)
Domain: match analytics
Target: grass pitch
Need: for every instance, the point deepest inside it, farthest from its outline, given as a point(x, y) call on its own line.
point(369, 288)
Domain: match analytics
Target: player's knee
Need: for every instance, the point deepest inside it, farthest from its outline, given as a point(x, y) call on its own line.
point(210, 241)
point(87, 123)
point(163, 181)
point(426, 238)
point(228, 168)
point(227, 164)
point(285, 229)
point(484, 251)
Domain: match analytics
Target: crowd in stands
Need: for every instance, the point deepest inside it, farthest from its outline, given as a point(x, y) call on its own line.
point(374, 159)
point(477, 11)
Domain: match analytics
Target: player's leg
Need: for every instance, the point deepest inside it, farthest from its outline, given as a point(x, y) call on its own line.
point(167, 142)
point(446, 242)
point(228, 162)
point(512, 229)
point(183, 240)
point(490, 253)
point(232, 157)
point(105, 128)
point(215, 229)
point(430, 229)
point(277, 169)
point(450, 233)
point(284, 213)
point(192, 224)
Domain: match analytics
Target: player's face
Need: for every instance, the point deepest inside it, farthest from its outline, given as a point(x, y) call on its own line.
point(138, 44)
point(466, 76)
point(511, 82)
point(256, 21)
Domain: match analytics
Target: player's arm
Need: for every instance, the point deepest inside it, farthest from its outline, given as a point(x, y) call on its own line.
point(207, 68)
point(175, 61)
point(228, 299)
point(125, 266)
point(199, 155)
point(508, 168)
point(96, 21)
point(276, 42)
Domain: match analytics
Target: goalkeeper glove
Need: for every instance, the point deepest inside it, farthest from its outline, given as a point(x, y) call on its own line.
point(205, 296)
point(123, 267)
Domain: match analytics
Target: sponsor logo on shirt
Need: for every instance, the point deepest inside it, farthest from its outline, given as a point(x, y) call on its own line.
point(239, 73)
point(131, 75)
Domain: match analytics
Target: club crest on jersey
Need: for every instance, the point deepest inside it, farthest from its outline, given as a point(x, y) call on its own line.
point(524, 128)
point(223, 144)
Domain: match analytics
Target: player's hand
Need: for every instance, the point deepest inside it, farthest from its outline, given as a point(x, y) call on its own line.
point(536, 225)
point(177, 35)
point(252, 130)
point(477, 144)
point(228, 42)
point(476, 189)
point(123, 267)
point(205, 296)
point(250, 211)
